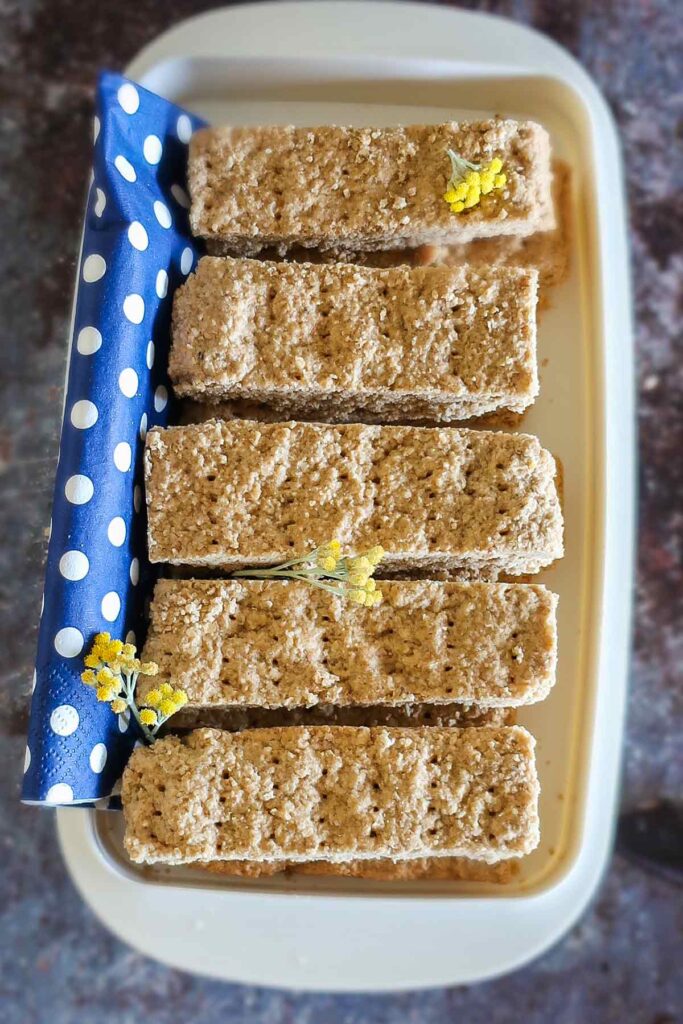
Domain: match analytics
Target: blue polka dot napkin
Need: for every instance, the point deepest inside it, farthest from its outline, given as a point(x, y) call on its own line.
point(136, 250)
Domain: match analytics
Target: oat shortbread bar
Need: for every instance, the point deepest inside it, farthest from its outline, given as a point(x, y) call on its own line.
point(428, 343)
point(235, 493)
point(281, 644)
point(361, 188)
point(334, 794)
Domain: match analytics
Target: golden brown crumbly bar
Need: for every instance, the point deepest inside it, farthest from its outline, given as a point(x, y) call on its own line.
point(361, 188)
point(235, 493)
point(287, 644)
point(431, 343)
point(432, 868)
point(332, 793)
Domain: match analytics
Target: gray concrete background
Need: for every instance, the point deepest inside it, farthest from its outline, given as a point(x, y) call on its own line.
point(58, 965)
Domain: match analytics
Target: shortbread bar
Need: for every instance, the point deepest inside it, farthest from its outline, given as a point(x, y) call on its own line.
point(428, 343)
point(361, 188)
point(282, 644)
point(334, 794)
point(236, 493)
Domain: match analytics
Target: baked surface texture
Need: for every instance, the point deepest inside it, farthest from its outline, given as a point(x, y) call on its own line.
point(234, 493)
point(439, 343)
point(361, 188)
point(332, 793)
point(282, 644)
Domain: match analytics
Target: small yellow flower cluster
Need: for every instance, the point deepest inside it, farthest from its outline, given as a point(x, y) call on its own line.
point(363, 588)
point(105, 663)
point(109, 658)
point(328, 556)
point(469, 182)
point(161, 703)
point(113, 668)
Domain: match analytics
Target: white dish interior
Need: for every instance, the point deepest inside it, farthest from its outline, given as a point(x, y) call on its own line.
point(565, 417)
point(404, 59)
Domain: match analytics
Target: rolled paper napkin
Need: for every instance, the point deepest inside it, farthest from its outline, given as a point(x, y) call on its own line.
point(137, 248)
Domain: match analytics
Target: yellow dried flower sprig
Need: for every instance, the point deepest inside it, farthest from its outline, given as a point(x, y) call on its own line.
point(112, 670)
point(326, 568)
point(469, 182)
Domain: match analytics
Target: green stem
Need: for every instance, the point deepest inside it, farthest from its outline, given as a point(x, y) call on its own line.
point(304, 577)
point(458, 166)
point(279, 569)
point(129, 682)
point(274, 570)
point(263, 574)
point(321, 585)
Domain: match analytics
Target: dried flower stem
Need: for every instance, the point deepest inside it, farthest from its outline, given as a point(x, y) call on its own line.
point(469, 181)
point(327, 569)
point(112, 670)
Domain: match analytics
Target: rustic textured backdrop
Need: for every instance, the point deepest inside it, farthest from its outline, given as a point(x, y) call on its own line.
point(58, 964)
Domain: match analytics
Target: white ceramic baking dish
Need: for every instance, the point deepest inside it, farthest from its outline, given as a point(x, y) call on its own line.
point(381, 64)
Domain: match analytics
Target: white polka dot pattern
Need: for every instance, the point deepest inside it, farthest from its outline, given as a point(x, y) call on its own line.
point(137, 236)
point(79, 489)
point(184, 128)
point(123, 456)
point(129, 98)
point(128, 382)
point(186, 260)
point(84, 414)
point(69, 642)
point(98, 758)
point(152, 149)
point(136, 250)
point(181, 197)
point(60, 793)
point(162, 214)
point(94, 267)
point(116, 531)
point(162, 284)
point(89, 341)
point(125, 168)
point(160, 398)
point(64, 720)
point(74, 565)
point(111, 606)
point(134, 308)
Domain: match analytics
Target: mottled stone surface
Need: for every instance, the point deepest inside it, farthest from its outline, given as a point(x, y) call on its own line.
point(57, 963)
